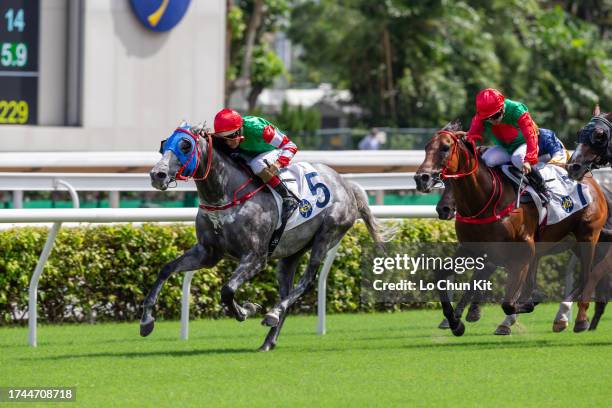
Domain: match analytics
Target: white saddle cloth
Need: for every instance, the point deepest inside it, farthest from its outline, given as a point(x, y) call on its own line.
point(567, 196)
point(303, 180)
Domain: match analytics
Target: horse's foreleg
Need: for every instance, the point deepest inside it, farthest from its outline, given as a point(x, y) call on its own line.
point(454, 322)
point(250, 265)
point(194, 258)
point(473, 296)
point(285, 274)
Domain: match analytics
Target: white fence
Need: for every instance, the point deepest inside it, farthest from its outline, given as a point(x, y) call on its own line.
point(364, 158)
point(114, 183)
point(102, 215)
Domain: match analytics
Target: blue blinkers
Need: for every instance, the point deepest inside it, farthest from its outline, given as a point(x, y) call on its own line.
point(188, 160)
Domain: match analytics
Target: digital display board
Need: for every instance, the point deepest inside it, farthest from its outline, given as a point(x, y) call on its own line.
point(19, 61)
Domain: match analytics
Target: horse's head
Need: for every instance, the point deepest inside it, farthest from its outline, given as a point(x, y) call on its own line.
point(181, 155)
point(446, 207)
point(440, 157)
point(594, 145)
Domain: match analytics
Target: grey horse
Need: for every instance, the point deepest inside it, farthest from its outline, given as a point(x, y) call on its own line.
point(243, 231)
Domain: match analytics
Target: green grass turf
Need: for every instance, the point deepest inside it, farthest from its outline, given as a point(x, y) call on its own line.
point(386, 360)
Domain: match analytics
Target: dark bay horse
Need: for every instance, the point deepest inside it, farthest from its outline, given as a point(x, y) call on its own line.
point(230, 226)
point(446, 209)
point(485, 201)
point(594, 150)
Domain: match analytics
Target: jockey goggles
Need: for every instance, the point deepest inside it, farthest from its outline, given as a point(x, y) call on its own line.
point(496, 115)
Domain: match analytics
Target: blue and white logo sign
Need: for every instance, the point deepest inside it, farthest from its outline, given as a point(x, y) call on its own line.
point(567, 204)
point(305, 208)
point(160, 15)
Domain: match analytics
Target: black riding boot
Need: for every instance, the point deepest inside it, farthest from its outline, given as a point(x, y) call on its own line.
point(537, 182)
point(290, 203)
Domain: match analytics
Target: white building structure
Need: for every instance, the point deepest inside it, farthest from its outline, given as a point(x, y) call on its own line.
point(108, 83)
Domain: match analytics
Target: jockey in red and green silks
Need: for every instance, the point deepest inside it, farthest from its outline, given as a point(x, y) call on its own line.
point(510, 126)
point(268, 149)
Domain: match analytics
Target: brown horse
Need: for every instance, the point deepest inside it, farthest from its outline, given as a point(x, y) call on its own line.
point(480, 193)
point(602, 263)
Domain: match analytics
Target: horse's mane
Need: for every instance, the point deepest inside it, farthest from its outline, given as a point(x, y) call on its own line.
point(231, 156)
point(455, 127)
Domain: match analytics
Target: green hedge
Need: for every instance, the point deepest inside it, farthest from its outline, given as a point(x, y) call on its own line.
point(103, 272)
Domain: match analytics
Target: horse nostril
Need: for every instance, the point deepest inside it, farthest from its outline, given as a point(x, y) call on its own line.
point(424, 177)
point(446, 210)
point(161, 175)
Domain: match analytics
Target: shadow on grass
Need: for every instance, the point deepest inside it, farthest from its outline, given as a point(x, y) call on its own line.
point(142, 354)
point(450, 345)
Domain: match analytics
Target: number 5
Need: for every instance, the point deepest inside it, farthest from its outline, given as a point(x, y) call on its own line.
point(318, 186)
point(7, 55)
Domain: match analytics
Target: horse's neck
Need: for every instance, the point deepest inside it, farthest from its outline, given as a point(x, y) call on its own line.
point(472, 192)
point(224, 177)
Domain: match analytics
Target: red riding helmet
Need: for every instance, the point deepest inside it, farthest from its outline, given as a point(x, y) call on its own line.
point(488, 102)
point(227, 121)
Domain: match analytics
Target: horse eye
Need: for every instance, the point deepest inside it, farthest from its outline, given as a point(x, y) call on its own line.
point(185, 146)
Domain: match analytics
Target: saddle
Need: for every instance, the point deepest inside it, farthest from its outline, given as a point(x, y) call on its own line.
point(567, 196)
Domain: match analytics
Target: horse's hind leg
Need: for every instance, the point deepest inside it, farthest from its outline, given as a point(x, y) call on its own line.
point(601, 300)
point(194, 258)
point(323, 242)
point(600, 307)
point(590, 278)
point(285, 274)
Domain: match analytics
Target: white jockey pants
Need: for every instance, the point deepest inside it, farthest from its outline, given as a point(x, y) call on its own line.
point(263, 160)
point(497, 155)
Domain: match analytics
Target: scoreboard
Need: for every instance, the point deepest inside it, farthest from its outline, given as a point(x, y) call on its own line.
point(19, 25)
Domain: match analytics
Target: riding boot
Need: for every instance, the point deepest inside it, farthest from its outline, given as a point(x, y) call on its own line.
point(290, 203)
point(537, 182)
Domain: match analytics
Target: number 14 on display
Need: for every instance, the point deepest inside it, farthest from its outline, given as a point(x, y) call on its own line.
point(15, 20)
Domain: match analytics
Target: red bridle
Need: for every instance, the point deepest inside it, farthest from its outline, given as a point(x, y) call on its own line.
point(497, 185)
point(457, 139)
point(197, 151)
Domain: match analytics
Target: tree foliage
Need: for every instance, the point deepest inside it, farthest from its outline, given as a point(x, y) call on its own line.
point(420, 63)
point(263, 64)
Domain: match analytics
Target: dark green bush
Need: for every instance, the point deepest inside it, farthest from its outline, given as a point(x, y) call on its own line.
point(104, 272)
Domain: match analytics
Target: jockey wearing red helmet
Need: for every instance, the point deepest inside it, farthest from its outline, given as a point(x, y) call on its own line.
point(267, 148)
point(509, 124)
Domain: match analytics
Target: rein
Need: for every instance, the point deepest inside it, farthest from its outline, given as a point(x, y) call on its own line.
point(497, 186)
point(197, 152)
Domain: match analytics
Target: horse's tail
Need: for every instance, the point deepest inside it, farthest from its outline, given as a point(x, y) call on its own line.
point(378, 232)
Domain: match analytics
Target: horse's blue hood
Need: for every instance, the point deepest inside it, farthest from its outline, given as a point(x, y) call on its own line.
point(172, 144)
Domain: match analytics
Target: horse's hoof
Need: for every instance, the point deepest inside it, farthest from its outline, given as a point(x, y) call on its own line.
point(459, 330)
point(503, 330)
point(473, 315)
point(270, 320)
point(266, 347)
point(581, 325)
point(251, 308)
point(147, 327)
point(444, 324)
point(559, 325)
